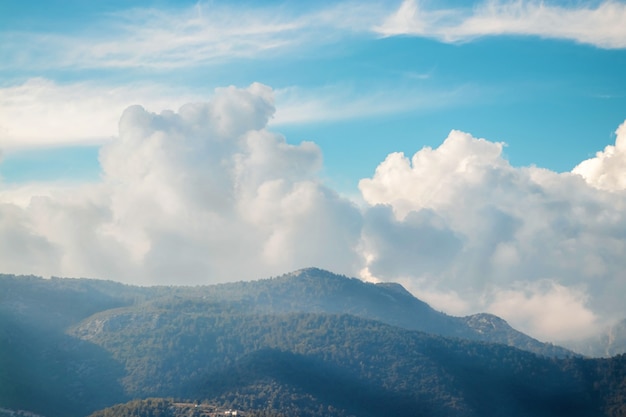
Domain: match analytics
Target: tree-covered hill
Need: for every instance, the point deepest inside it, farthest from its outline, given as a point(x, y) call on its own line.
point(66, 301)
point(309, 343)
point(316, 290)
point(167, 407)
point(310, 362)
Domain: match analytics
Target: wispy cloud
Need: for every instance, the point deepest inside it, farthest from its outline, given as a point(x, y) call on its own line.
point(41, 112)
point(603, 25)
point(296, 105)
point(213, 33)
point(207, 32)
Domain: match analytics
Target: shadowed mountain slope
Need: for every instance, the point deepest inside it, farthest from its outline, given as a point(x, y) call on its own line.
point(307, 343)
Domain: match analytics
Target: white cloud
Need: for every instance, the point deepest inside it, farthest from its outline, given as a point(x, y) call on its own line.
point(552, 311)
point(208, 194)
point(22, 244)
point(211, 33)
point(203, 194)
point(606, 171)
point(41, 112)
point(338, 102)
point(496, 226)
point(603, 25)
point(208, 32)
point(448, 301)
point(428, 179)
point(421, 243)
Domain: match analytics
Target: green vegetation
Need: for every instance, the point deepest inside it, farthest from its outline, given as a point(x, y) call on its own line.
point(150, 407)
point(72, 347)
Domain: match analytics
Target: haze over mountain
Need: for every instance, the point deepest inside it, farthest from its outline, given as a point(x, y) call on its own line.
point(610, 341)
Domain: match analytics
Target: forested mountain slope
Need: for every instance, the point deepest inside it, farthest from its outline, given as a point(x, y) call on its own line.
point(316, 290)
point(307, 290)
point(309, 343)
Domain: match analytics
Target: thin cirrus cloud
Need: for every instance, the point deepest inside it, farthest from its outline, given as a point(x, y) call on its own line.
point(43, 113)
point(296, 105)
point(603, 26)
point(186, 37)
point(210, 33)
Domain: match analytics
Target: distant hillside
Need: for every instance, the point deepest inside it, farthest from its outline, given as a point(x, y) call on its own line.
point(303, 363)
point(310, 343)
point(318, 291)
point(162, 407)
point(306, 290)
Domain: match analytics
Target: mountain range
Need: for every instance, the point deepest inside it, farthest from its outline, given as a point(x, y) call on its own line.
point(307, 343)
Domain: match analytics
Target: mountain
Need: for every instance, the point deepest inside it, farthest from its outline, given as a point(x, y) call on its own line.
point(37, 357)
point(303, 363)
point(309, 343)
point(165, 407)
point(314, 290)
point(307, 290)
point(306, 363)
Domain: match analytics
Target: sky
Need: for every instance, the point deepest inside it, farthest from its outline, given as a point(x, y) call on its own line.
point(475, 153)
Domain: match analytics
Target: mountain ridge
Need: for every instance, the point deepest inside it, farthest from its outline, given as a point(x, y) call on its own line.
point(308, 343)
point(409, 312)
point(308, 289)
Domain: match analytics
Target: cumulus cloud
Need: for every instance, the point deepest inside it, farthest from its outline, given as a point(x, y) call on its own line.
point(419, 244)
point(606, 171)
point(603, 25)
point(208, 194)
point(504, 226)
point(203, 194)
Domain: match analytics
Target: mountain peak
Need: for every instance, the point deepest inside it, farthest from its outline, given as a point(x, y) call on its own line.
point(313, 272)
point(315, 289)
point(396, 288)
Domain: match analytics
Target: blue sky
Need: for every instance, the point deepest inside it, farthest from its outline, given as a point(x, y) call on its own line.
point(164, 142)
point(555, 101)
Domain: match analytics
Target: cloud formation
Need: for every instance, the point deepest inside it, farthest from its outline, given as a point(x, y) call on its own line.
point(603, 25)
point(338, 102)
point(606, 171)
point(517, 227)
point(203, 194)
point(40, 112)
point(211, 33)
point(209, 194)
point(205, 33)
